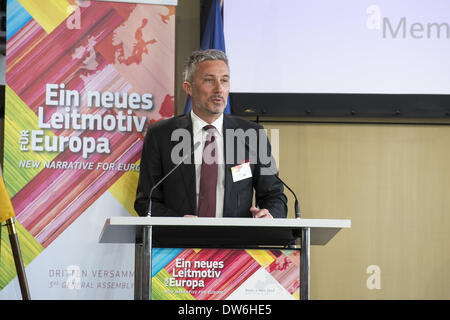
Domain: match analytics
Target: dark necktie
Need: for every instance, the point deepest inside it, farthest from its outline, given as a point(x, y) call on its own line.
point(208, 176)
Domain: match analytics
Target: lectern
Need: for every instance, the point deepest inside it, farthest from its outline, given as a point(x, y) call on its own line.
point(236, 233)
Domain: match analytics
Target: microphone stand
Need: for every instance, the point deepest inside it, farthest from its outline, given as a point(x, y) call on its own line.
point(296, 203)
point(149, 214)
point(143, 257)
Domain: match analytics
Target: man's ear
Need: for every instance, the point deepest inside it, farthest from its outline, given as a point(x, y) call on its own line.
point(187, 86)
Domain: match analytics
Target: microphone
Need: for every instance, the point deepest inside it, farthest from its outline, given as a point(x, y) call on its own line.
point(296, 205)
point(149, 214)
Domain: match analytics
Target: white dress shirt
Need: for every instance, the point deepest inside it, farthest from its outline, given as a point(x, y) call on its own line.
point(200, 135)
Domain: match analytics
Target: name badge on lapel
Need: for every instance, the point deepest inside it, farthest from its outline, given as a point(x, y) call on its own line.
point(241, 172)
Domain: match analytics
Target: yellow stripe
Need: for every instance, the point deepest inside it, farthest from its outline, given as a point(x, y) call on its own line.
point(124, 190)
point(49, 14)
point(263, 257)
point(19, 117)
point(161, 290)
point(30, 248)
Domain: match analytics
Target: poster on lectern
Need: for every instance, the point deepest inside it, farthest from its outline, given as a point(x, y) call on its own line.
point(84, 79)
point(225, 274)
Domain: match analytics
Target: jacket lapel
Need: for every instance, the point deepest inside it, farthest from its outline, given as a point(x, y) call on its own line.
point(228, 123)
point(188, 171)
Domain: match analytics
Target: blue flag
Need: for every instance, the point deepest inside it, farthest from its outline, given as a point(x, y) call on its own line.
point(213, 38)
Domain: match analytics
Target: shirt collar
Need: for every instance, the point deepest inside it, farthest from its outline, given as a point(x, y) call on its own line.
point(198, 124)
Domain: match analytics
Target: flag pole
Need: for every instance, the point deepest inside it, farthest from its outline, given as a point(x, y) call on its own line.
point(18, 259)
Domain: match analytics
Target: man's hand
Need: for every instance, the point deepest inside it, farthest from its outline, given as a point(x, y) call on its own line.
point(189, 216)
point(260, 213)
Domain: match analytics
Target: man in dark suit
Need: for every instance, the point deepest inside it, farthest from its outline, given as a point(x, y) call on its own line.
point(216, 179)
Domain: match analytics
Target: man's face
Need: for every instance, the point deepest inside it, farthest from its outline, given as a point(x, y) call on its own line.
point(209, 89)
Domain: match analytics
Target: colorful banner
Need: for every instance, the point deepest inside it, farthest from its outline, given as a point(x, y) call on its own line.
point(84, 79)
point(225, 274)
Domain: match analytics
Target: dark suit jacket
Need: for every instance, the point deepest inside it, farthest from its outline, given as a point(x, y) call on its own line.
point(176, 196)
